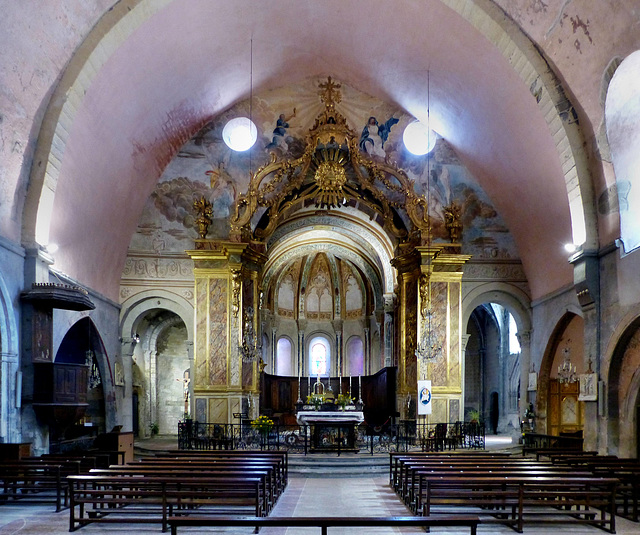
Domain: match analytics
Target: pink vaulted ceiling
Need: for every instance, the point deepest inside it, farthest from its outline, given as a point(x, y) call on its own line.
point(190, 61)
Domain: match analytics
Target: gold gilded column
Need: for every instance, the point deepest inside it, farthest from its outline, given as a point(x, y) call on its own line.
point(431, 275)
point(226, 285)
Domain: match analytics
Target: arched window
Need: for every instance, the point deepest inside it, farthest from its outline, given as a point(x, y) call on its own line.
point(355, 355)
point(319, 356)
point(283, 357)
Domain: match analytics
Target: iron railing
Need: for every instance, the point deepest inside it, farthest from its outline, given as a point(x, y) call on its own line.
point(304, 439)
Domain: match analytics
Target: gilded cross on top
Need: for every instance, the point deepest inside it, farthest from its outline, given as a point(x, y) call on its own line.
point(330, 94)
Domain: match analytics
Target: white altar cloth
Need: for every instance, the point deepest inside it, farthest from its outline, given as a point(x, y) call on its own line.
point(329, 417)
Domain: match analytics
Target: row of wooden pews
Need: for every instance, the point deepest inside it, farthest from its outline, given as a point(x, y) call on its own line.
point(627, 471)
point(504, 489)
point(44, 479)
point(179, 484)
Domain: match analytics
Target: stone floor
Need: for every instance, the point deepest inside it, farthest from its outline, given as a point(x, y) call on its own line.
point(363, 496)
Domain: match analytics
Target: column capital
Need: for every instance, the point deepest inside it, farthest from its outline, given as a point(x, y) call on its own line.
point(524, 338)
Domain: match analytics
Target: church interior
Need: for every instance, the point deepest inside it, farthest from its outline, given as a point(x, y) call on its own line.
point(151, 274)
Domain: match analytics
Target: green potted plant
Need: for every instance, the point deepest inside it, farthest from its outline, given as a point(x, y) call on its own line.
point(474, 416)
point(154, 428)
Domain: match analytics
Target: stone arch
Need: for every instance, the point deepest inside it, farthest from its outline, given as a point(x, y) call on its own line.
point(623, 437)
point(535, 71)
point(509, 296)
point(544, 376)
point(622, 114)
point(134, 308)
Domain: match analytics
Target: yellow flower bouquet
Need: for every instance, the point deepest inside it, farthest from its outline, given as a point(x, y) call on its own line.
point(263, 424)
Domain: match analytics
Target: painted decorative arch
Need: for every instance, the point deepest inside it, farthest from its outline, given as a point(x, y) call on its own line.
point(339, 250)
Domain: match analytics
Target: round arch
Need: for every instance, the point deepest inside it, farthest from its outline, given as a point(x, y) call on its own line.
point(611, 366)
point(135, 308)
point(329, 346)
point(622, 116)
point(511, 297)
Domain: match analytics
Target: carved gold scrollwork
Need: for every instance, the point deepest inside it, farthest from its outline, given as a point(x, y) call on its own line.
point(204, 212)
point(452, 221)
point(236, 281)
point(424, 294)
point(331, 171)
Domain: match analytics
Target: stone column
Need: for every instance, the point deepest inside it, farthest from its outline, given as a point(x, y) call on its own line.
point(526, 397)
point(226, 286)
point(387, 330)
point(367, 352)
point(274, 349)
point(430, 277)
point(10, 397)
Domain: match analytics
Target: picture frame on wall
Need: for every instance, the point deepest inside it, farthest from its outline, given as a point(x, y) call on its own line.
point(588, 387)
point(533, 382)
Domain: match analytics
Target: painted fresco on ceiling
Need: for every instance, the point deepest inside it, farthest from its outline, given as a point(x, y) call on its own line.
point(205, 166)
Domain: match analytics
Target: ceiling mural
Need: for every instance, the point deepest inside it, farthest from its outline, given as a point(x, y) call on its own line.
point(205, 166)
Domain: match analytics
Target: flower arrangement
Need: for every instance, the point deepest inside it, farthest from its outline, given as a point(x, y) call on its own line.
point(263, 424)
point(344, 400)
point(316, 400)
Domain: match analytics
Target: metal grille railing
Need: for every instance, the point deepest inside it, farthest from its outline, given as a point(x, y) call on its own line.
point(305, 439)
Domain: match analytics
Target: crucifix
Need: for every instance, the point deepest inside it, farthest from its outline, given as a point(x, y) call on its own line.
point(330, 94)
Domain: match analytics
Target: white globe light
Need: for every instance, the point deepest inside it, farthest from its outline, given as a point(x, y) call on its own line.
point(240, 134)
point(418, 139)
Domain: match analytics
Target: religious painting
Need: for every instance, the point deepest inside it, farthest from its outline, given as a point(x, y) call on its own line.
point(206, 167)
point(588, 387)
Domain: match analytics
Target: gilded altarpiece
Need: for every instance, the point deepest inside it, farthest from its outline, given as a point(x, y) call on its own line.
point(225, 286)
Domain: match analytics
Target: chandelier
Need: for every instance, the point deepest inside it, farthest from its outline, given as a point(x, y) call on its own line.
point(250, 351)
point(430, 346)
point(94, 380)
point(567, 371)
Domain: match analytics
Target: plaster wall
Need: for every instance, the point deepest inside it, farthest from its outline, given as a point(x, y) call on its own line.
point(172, 361)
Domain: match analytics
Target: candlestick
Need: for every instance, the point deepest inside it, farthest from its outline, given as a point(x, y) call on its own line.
point(308, 385)
point(349, 385)
point(360, 389)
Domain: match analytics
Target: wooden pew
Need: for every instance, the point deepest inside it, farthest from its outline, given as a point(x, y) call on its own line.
point(413, 490)
point(145, 498)
point(36, 481)
point(323, 523)
point(283, 456)
point(626, 470)
point(395, 458)
point(276, 462)
point(514, 500)
point(269, 490)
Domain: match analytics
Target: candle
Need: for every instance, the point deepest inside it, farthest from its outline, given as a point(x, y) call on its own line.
point(359, 386)
point(349, 385)
point(308, 385)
